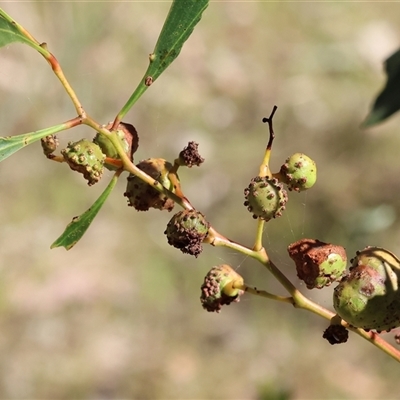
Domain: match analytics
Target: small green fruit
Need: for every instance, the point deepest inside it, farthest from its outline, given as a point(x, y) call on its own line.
point(186, 231)
point(369, 296)
point(142, 196)
point(129, 139)
point(86, 158)
point(265, 198)
point(299, 172)
point(219, 289)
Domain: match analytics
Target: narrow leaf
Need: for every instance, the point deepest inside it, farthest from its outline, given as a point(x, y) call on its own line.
point(79, 225)
point(11, 144)
point(178, 26)
point(11, 32)
point(183, 16)
point(388, 101)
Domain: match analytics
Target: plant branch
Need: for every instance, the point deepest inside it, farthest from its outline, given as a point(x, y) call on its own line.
point(259, 235)
point(28, 39)
point(263, 293)
point(264, 167)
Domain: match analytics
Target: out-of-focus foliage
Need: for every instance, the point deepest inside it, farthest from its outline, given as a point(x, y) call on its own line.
point(119, 316)
point(388, 101)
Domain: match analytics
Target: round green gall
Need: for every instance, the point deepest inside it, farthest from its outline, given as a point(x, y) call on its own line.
point(220, 288)
point(141, 195)
point(369, 296)
point(318, 264)
point(187, 230)
point(265, 198)
point(86, 158)
point(129, 140)
point(299, 172)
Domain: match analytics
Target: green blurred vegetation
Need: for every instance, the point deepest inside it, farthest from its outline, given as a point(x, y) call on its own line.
point(119, 315)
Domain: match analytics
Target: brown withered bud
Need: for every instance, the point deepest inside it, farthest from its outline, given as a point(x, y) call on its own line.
point(49, 144)
point(190, 156)
point(336, 334)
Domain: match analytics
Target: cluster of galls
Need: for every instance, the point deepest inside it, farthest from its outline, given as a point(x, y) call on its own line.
point(187, 229)
point(266, 198)
point(90, 157)
point(367, 296)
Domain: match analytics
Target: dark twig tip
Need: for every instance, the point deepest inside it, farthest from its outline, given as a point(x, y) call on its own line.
point(271, 129)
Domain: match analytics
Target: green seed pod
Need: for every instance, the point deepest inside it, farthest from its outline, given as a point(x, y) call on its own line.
point(186, 231)
point(86, 158)
point(219, 289)
point(265, 198)
point(142, 196)
point(369, 296)
point(299, 172)
point(129, 139)
point(318, 264)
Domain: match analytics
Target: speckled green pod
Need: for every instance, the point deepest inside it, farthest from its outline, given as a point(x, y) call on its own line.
point(220, 288)
point(86, 158)
point(369, 296)
point(142, 196)
point(265, 198)
point(299, 172)
point(129, 140)
point(186, 231)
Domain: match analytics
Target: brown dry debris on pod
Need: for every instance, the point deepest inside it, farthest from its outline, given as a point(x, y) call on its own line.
point(318, 264)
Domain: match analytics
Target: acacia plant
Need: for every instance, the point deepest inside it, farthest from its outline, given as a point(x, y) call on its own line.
point(367, 296)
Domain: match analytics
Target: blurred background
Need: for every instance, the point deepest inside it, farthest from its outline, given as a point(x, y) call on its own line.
point(119, 315)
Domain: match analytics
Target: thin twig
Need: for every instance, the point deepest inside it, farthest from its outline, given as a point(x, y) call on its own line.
point(270, 127)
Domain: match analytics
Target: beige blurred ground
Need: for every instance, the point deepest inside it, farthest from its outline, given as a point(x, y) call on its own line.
point(119, 315)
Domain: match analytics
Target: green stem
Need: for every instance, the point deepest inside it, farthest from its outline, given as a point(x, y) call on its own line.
point(64, 82)
point(141, 88)
point(42, 49)
point(372, 337)
point(263, 293)
point(259, 235)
